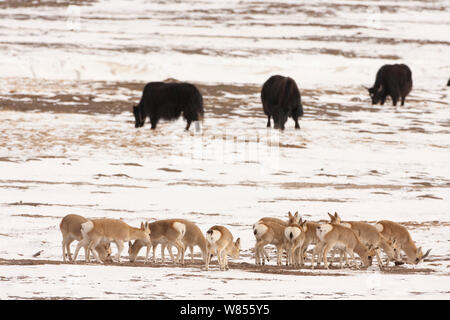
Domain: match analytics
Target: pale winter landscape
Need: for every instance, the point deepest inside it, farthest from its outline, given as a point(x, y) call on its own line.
point(71, 71)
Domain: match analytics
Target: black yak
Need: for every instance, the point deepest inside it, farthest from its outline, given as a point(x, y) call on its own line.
point(392, 80)
point(281, 99)
point(448, 83)
point(167, 101)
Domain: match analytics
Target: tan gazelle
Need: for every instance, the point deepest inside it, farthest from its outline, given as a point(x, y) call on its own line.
point(291, 218)
point(310, 238)
point(269, 233)
point(369, 235)
point(401, 238)
point(335, 235)
point(111, 230)
point(70, 227)
point(220, 242)
point(180, 233)
point(295, 234)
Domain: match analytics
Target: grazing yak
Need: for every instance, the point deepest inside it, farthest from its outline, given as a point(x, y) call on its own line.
point(281, 99)
point(392, 80)
point(448, 83)
point(167, 101)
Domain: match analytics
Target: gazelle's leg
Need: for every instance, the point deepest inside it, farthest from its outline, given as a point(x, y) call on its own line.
point(325, 252)
point(93, 244)
point(147, 253)
point(169, 249)
point(279, 254)
point(120, 246)
point(80, 244)
point(380, 262)
point(63, 243)
point(257, 260)
point(154, 253)
point(225, 259)
point(207, 257)
point(163, 247)
point(219, 258)
point(288, 254)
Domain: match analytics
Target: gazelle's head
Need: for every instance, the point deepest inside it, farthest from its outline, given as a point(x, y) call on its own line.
point(235, 249)
point(334, 218)
point(133, 249)
point(145, 227)
point(104, 252)
point(367, 259)
point(419, 256)
point(293, 218)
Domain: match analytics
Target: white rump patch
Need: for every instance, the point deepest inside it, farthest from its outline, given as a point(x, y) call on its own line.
point(259, 230)
point(323, 229)
point(379, 227)
point(86, 227)
point(347, 225)
point(292, 233)
point(180, 227)
point(213, 236)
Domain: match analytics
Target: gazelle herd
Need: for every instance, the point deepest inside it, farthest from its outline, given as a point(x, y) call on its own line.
point(293, 237)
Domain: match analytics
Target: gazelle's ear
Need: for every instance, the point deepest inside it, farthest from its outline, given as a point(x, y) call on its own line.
point(289, 214)
point(335, 214)
point(238, 243)
point(331, 216)
point(130, 244)
point(142, 226)
point(296, 214)
point(304, 226)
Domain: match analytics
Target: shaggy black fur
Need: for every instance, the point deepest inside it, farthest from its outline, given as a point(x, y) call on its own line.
point(392, 80)
point(167, 101)
point(281, 99)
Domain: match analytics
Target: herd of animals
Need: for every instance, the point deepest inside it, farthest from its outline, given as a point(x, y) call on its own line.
point(280, 98)
point(292, 237)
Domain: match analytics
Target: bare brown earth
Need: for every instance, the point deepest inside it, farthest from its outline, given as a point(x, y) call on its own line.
point(284, 270)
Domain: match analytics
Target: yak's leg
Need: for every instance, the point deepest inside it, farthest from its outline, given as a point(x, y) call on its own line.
point(153, 123)
point(188, 124)
point(295, 118)
point(394, 100)
point(268, 121)
point(297, 126)
point(403, 100)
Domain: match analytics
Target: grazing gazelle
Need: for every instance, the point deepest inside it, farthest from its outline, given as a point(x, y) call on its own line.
point(369, 235)
point(295, 234)
point(70, 227)
point(401, 238)
point(111, 230)
point(220, 241)
point(269, 233)
point(180, 233)
point(291, 218)
point(335, 235)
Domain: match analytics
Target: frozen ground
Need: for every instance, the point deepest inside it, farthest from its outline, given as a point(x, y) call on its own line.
point(69, 76)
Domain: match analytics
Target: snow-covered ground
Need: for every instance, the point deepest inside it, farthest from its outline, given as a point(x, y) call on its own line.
point(70, 74)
